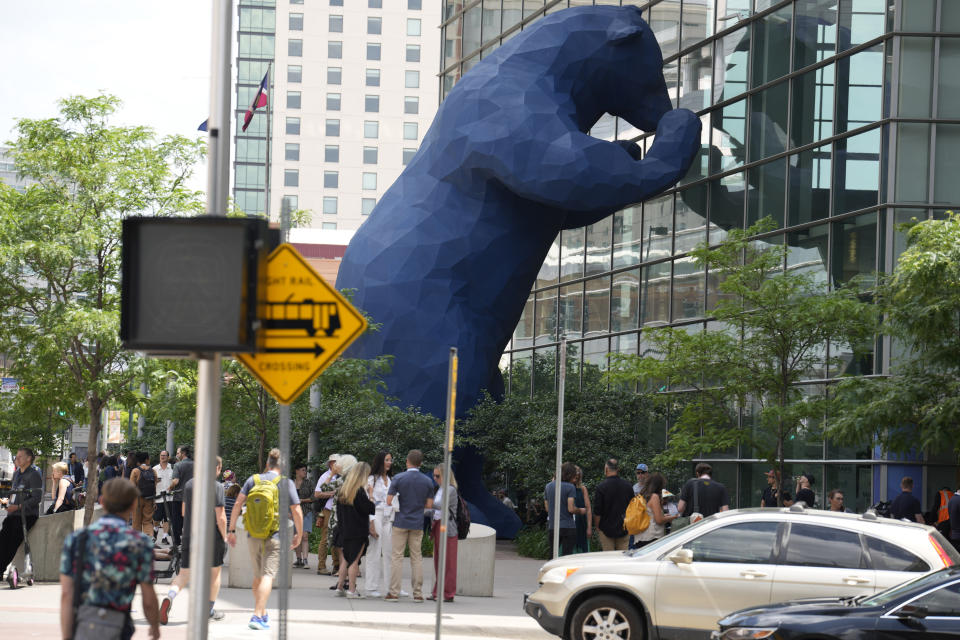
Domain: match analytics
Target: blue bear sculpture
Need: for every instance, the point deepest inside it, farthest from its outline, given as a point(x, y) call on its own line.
point(450, 253)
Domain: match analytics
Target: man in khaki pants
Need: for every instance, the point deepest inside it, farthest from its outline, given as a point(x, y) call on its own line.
point(415, 492)
point(610, 500)
point(323, 520)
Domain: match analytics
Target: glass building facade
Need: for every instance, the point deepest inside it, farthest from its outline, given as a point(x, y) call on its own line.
point(834, 117)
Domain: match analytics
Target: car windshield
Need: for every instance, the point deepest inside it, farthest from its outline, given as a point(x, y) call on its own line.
point(666, 542)
point(884, 598)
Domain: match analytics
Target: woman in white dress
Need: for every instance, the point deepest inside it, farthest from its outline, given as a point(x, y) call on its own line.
point(381, 527)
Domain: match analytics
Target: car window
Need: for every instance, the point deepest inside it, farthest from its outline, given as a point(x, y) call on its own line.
point(919, 583)
point(810, 545)
point(944, 602)
point(745, 542)
point(887, 556)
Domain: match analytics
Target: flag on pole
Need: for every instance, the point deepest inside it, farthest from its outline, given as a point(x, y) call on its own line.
point(203, 125)
point(259, 100)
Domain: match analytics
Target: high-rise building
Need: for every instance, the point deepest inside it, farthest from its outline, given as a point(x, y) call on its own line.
point(352, 94)
point(838, 118)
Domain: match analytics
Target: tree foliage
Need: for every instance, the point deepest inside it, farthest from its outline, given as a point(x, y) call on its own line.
point(774, 325)
point(918, 407)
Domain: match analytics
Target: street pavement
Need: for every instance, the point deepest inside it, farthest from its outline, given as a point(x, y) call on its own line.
point(33, 612)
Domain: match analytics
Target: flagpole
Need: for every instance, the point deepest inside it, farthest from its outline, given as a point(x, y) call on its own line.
point(266, 177)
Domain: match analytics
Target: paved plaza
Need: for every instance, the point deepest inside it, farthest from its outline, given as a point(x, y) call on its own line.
point(33, 612)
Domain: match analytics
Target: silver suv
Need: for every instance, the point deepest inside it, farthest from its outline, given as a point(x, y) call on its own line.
point(680, 585)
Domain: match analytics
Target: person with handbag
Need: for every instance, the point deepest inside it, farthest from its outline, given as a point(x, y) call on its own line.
point(100, 568)
point(702, 496)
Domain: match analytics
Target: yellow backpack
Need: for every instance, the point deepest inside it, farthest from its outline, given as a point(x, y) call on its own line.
point(637, 519)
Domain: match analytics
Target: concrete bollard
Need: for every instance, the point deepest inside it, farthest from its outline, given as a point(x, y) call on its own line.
point(476, 557)
point(46, 542)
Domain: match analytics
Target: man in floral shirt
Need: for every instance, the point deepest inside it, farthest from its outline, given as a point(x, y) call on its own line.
point(116, 558)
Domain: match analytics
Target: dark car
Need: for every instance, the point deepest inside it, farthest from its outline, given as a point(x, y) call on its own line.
point(927, 607)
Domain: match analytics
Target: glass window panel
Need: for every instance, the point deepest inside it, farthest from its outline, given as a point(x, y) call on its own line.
point(411, 105)
point(512, 13)
point(861, 75)
point(860, 21)
point(531, 6)
point(913, 162)
point(918, 15)
point(336, 3)
point(294, 73)
point(371, 129)
point(373, 51)
point(521, 373)
point(595, 362)
point(572, 254)
point(545, 370)
point(550, 269)
point(596, 312)
point(729, 137)
point(854, 247)
point(949, 16)
point(295, 48)
point(411, 79)
point(251, 150)
point(375, 4)
point(372, 78)
point(333, 102)
point(409, 130)
point(369, 181)
point(408, 156)
point(696, 77)
point(414, 5)
point(815, 34)
point(887, 556)
point(856, 178)
point(331, 153)
point(296, 22)
point(946, 186)
point(330, 204)
point(293, 99)
point(700, 166)
point(371, 104)
point(815, 546)
point(855, 481)
point(471, 29)
point(948, 91)
point(697, 22)
point(766, 192)
point(769, 36)
point(664, 19)
point(335, 50)
point(335, 24)
point(810, 185)
point(571, 310)
point(546, 320)
point(331, 179)
point(523, 333)
point(334, 75)
point(289, 203)
point(690, 226)
point(369, 155)
point(293, 126)
point(813, 96)
point(367, 205)
point(413, 26)
point(624, 301)
point(768, 122)
point(916, 76)
point(688, 289)
point(657, 223)
point(726, 204)
point(490, 19)
point(598, 246)
point(291, 151)
point(746, 543)
point(627, 236)
point(291, 177)
point(655, 297)
point(329, 226)
point(808, 252)
point(374, 26)
point(452, 42)
point(413, 53)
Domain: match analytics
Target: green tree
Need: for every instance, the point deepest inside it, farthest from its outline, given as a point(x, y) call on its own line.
point(60, 258)
point(918, 407)
point(774, 324)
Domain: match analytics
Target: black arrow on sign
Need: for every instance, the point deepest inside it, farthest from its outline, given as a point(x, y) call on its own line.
point(316, 350)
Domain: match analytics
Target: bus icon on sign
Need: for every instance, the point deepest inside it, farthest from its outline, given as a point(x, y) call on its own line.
point(306, 315)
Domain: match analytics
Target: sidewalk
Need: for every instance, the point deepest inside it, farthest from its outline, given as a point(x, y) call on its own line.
point(33, 612)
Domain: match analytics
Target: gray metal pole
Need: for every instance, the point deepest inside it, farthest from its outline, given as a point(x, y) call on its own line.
point(141, 419)
point(313, 439)
point(170, 446)
point(556, 478)
point(447, 474)
point(208, 371)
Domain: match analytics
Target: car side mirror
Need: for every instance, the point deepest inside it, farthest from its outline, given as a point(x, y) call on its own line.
point(681, 556)
point(912, 611)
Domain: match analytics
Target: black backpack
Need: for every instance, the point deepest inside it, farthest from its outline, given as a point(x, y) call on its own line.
point(463, 518)
point(147, 483)
point(882, 509)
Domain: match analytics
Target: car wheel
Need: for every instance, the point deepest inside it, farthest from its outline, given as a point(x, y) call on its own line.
point(606, 617)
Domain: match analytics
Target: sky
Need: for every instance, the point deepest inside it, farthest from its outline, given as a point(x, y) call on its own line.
point(155, 56)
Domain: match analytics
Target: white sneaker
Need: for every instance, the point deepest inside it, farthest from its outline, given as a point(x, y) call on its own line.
point(354, 595)
point(404, 594)
point(374, 594)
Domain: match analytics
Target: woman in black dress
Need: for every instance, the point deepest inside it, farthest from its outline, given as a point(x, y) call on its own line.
point(354, 509)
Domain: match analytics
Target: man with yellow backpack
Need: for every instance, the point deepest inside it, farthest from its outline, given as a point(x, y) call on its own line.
point(261, 496)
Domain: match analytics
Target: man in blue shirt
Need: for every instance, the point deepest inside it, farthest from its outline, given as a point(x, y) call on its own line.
point(415, 492)
point(906, 504)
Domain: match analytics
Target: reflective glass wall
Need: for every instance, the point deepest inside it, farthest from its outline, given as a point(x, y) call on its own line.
point(833, 117)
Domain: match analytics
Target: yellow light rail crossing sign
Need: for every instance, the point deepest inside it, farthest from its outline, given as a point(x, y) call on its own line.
point(306, 325)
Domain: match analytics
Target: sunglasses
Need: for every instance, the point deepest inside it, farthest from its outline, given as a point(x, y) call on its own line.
point(641, 473)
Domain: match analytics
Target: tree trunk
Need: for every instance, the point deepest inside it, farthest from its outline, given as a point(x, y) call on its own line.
point(93, 471)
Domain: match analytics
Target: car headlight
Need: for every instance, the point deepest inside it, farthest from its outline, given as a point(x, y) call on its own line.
point(558, 574)
point(747, 633)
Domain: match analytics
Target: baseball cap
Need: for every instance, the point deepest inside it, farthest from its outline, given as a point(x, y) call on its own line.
point(642, 467)
point(333, 457)
point(772, 472)
point(229, 475)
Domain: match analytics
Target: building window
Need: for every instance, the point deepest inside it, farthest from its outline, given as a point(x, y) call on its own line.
point(336, 3)
point(373, 77)
point(295, 48)
point(369, 155)
point(374, 26)
point(413, 53)
point(334, 75)
point(330, 204)
point(409, 130)
point(291, 151)
point(411, 79)
point(335, 49)
point(296, 22)
point(294, 73)
point(336, 24)
point(333, 102)
point(296, 1)
point(289, 203)
point(333, 128)
point(414, 5)
point(371, 129)
point(375, 4)
point(293, 99)
point(411, 104)
point(373, 51)
point(369, 182)
point(408, 156)
point(331, 153)
point(331, 179)
point(291, 177)
point(413, 26)
point(367, 205)
point(371, 104)
point(293, 126)
point(328, 226)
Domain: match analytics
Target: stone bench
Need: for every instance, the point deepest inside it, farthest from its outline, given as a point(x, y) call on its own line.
point(476, 556)
point(46, 542)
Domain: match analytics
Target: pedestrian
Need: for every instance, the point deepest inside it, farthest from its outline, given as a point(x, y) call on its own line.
point(953, 509)
point(76, 471)
point(305, 493)
point(229, 479)
point(771, 494)
point(146, 481)
point(324, 516)
point(567, 508)
point(702, 495)
point(415, 493)
point(505, 500)
point(262, 516)
point(584, 521)
point(230, 499)
point(164, 472)
point(355, 512)
point(26, 493)
point(342, 467)
point(835, 500)
point(906, 506)
point(182, 473)
point(641, 472)
point(803, 491)
point(219, 521)
point(380, 544)
point(653, 494)
point(610, 501)
point(108, 471)
point(63, 498)
point(105, 562)
point(129, 462)
point(445, 532)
